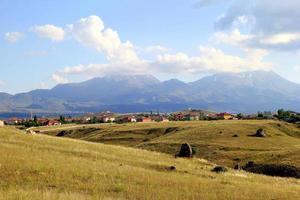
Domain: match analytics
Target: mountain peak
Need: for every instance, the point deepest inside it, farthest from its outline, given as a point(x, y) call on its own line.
point(144, 77)
point(234, 92)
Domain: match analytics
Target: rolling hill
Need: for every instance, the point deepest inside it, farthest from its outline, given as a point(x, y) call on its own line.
point(212, 140)
point(43, 167)
point(233, 92)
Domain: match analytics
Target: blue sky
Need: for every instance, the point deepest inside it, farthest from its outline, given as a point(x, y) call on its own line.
point(47, 42)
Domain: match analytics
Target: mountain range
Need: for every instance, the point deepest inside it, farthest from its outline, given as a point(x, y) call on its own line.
point(245, 92)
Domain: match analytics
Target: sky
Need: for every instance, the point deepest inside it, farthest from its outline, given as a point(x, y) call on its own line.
point(49, 42)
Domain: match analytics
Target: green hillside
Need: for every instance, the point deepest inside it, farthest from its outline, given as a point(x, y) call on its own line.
point(212, 140)
point(43, 167)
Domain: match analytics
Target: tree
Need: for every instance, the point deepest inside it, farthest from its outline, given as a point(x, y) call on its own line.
point(239, 116)
point(283, 115)
point(62, 119)
point(35, 119)
point(260, 115)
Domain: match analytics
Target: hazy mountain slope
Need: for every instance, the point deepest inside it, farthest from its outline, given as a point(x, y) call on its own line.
point(233, 92)
point(248, 91)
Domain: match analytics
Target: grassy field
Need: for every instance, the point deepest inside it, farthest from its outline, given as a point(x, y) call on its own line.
point(213, 140)
point(44, 167)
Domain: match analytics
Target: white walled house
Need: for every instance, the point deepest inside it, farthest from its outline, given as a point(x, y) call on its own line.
point(1, 123)
point(109, 119)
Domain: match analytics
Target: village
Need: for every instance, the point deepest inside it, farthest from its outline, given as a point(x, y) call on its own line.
point(110, 117)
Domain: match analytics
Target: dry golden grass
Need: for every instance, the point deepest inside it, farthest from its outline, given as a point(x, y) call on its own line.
point(44, 167)
point(212, 139)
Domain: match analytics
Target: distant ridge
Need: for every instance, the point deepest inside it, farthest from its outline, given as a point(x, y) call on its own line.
point(246, 92)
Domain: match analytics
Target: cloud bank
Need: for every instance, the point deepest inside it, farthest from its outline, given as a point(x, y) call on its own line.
point(122, 56)
point(269, 24)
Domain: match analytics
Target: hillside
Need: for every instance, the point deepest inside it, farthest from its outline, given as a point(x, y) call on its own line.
point(43, 167)
point(234, 92)
point(213, 140)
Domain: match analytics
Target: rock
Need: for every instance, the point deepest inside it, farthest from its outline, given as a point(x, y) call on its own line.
point(219, 169)
point(31, 132)
point(172, 168)
point(260, 133)
point(250, 164)
point(237, 167)
point(235, 135)
point(61, 134)
point(185, 151)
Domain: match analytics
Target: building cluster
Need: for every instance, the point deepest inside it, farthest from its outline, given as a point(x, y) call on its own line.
point(36, 121)
point(110, 117)
point(194, 115)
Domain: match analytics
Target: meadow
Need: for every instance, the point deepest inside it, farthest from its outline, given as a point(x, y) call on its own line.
point(45, 167)
point(212, 140)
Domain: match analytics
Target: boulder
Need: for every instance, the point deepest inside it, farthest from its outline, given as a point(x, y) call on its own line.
point(260, 133)
point(185, 151)
point(61, 134)
point(250, 164)
point(219, 169)
point(237, 167)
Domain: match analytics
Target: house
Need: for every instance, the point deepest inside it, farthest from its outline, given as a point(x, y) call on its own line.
point(13, 121)
point(159, 118)
point(226, 116)
point(191, 117)
point(177, 117)
point(165, 119)
point(126, 119)
point(156, 118)
point(146, 120)
point(1, 123)
point(106, 119)
point(53, 122)
point(133, 119)
point(42, 121)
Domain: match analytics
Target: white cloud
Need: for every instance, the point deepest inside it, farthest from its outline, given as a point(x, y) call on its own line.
point(13, 37)
point(272, 23)
point(59, 79)
point(234, 37)
point(282, 38)
point(52, 32)
point(96, 70)
point(209, 60)
point(213, 60)
point(122, 57)
point(91, 32)
point(282, 41)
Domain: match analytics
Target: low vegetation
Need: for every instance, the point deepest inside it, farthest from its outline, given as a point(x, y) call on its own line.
point(42, 167)
point(222, 142)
